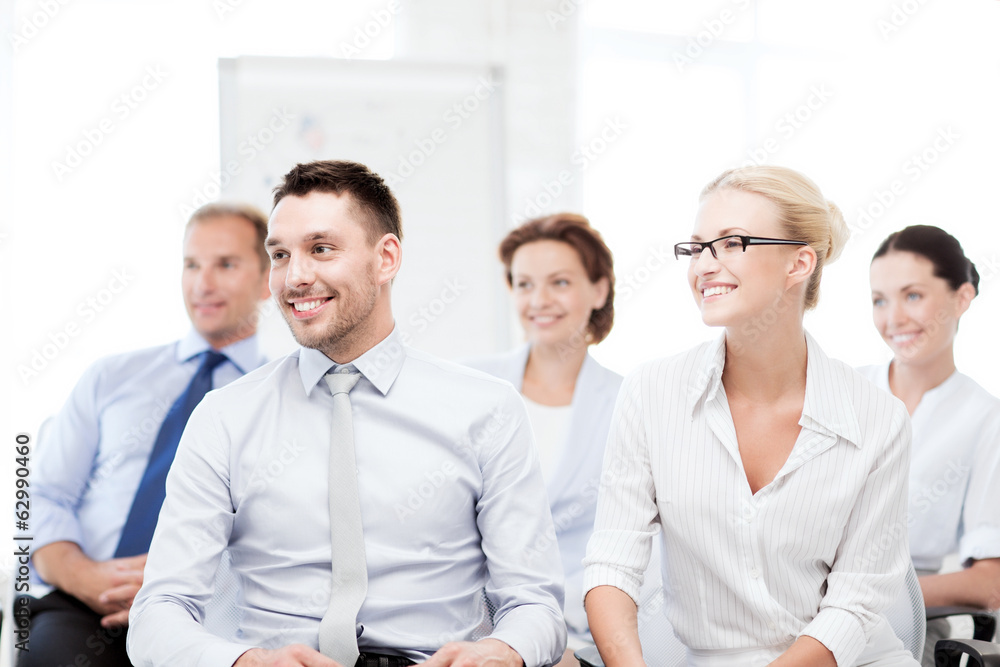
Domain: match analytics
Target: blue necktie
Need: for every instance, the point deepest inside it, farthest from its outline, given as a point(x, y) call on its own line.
point(141, 521)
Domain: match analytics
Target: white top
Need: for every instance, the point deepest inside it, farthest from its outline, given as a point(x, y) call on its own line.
point(955, 472)
point(819, 551)
point(550, 424)
point(452, 502)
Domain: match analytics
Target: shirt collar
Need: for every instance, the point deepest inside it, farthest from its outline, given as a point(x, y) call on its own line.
point(708, 378)
point(827, 406)
point(380, 365)
point(243, 354)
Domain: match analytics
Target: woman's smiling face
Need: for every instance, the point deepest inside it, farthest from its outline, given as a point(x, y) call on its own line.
point(914, 311)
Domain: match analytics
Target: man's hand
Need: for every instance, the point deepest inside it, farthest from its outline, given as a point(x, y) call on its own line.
point(121, 597)
point(295, 655)
point(485, 652)
point(96, 579)
point(108, 587)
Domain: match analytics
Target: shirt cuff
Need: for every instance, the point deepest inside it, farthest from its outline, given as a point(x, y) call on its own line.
point(531, 638)
point(840, 632)
point(222, 654)
point(980, 543)
point(57, 527)
point(607, 575)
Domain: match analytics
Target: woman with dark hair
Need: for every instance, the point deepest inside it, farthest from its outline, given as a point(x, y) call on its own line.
point(922, 283)
point(561, 275)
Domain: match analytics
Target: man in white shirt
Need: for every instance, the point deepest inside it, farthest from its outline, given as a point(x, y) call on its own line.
point(93, 457)
point(451, 496)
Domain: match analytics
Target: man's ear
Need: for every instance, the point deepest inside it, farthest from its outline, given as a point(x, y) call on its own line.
point(390, 257)
point(265, 288)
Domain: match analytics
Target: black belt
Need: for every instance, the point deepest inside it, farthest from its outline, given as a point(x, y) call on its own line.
point(382, 660)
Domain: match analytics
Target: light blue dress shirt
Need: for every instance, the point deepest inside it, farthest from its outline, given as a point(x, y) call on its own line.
point(452, 503)
point(92, 454)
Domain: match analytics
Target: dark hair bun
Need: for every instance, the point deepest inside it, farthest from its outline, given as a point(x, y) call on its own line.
point(938, 246)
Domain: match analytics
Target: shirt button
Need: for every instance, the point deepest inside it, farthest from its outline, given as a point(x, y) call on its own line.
point(770, 624)
point(755, 573)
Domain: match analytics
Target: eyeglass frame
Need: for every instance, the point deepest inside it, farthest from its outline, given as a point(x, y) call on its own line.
point(745, 240)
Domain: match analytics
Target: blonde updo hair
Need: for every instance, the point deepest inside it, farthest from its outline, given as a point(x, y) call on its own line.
point(805, 214)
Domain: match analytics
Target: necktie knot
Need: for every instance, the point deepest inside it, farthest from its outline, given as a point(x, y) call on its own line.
point(342, 383)
point(212, 359)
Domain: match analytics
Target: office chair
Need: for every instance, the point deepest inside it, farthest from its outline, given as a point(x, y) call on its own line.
point(981, 651)
point(984, 621)
point(949, 652)
point(222, 615)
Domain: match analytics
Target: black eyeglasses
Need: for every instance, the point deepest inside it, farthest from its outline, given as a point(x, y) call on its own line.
point(731, 245)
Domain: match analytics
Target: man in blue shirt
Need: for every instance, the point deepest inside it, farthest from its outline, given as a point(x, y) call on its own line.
point(375, 501)
point(95, 458)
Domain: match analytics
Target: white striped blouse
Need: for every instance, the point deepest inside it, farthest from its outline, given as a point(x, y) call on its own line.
point(819, 551)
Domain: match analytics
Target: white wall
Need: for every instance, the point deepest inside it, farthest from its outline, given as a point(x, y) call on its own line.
point(838, 91)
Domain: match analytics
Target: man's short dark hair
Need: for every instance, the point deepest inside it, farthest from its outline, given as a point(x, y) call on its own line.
point(378, 208)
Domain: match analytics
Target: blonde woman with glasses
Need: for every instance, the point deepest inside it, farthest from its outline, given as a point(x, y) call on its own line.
point(778, 475)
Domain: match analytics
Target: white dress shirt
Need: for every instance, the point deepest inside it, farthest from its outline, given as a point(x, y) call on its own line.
point(819, 551)
point(954, 472)
point(452, 502)
point(94, 452)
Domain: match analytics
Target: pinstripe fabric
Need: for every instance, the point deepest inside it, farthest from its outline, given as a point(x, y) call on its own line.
point(821, 550)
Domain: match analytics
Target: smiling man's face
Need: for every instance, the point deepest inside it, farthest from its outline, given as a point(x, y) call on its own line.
point(223, 280)
point(325, 271)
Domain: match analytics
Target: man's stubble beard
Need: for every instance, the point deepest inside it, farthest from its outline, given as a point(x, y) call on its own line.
point(352, 323)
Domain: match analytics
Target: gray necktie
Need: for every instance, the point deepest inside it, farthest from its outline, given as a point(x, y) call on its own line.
point(338, 637)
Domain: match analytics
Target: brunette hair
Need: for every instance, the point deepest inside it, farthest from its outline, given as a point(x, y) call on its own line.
point(370, 195)
point(939, 247)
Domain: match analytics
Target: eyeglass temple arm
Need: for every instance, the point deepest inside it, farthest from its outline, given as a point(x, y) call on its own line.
point(754, 240)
